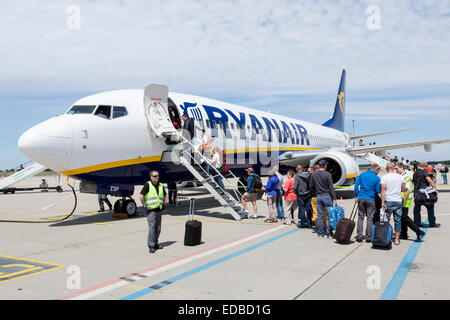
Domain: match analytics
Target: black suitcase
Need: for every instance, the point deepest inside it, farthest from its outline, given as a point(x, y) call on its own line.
point(382, 233)
point(193, 230)
point(345, 227)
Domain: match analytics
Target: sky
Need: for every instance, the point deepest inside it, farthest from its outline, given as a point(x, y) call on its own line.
point(282, 56)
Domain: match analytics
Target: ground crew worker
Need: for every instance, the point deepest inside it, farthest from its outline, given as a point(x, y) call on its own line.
point(44, 186)
point(104, 198)
point(153, 197)
point(408, 203)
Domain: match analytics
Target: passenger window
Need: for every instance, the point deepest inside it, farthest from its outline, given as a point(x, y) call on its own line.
point(207, 124)
point(119, 112)
point(232, 126)
point(103, 112)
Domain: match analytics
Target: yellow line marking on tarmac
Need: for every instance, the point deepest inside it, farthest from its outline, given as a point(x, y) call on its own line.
point(28, 268)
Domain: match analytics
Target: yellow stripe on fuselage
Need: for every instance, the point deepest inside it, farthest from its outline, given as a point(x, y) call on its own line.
point(110, 165)
point(129, 162)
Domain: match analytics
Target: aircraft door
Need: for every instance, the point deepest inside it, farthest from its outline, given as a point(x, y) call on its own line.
point(156, 110)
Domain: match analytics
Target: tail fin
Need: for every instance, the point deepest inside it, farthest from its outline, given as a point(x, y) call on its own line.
point(337, 121)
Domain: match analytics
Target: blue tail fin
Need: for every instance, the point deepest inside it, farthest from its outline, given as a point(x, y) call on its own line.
point(337, 121)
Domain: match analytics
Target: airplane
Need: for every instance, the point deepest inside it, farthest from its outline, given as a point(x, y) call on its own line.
point(112, 140)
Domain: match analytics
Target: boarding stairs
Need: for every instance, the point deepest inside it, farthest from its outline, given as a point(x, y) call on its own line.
point(29, 170)
point(372, 158)
point(155, 104)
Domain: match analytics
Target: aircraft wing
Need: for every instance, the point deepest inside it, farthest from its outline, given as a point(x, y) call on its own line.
point(362, 150)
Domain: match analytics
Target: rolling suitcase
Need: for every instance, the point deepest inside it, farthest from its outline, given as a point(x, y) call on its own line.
point(193, 230)
point(382, 233)
point(345, 227)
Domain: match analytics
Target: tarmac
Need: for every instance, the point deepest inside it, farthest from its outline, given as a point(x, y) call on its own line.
point(94, 256)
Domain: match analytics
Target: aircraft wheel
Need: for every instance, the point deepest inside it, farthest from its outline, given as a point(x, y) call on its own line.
point(59, 189)
point(130, 207)
point(118, 206)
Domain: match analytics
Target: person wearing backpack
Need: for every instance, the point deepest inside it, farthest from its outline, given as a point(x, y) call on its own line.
point(251, 191)
point(301, 189)
point(366, 186)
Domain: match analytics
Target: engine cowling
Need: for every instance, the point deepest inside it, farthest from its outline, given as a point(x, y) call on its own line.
point(343, 167)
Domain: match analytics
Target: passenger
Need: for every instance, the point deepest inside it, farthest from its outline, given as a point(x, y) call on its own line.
point(215, 161)
point(280, 209)
point(422, 180)
point(392, 186)
point(188, 134)
point(395, 160)
point(44, 185)
point(301, 189)
point(367, 185)
point(313, 201)
point(322, 182)
point(444, 171)
point(290, 199)
point(153, 198)
point(250, 193)
point(415, 165)
point(407, 165)
point(172, 192)
point(103, 198)
point(242, 185)
point(361, 143)
point(407, 203)
point(271, 189)
point(206, 146)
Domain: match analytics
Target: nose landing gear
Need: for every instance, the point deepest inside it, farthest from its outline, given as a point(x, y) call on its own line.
point(125, 205)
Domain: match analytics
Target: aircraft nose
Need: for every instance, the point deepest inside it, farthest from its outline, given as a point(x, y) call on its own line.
point(49, 143)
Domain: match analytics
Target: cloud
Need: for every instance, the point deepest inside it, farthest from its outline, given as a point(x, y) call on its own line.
point(285, 55)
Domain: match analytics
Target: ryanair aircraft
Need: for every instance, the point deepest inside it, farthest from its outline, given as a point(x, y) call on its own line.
point(112, 140)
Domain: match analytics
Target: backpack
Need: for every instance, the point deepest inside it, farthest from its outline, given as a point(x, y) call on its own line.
point(257, 182)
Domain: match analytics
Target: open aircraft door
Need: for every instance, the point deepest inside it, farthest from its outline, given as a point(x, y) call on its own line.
point(156, 110)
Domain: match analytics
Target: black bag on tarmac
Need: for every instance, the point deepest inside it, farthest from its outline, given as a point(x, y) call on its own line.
point(382, 233)
point(193, 229)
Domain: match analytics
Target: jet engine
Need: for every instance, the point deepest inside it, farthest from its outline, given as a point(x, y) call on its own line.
point(343, 167)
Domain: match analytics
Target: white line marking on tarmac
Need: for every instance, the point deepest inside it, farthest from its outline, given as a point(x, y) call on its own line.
point(132, 278)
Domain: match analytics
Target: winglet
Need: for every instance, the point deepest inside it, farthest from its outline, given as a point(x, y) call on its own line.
point(337, 121)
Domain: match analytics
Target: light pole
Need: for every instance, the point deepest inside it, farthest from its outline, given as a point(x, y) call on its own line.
point(353, 134)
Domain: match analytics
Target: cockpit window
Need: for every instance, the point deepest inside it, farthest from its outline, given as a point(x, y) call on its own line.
point(119, 112)
point(81, 110)
point(103, 112)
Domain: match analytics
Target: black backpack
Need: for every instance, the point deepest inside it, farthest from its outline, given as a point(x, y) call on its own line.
point(257, 182)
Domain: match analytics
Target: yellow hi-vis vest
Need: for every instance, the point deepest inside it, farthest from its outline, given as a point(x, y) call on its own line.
point(153, 199)
point(409, 201)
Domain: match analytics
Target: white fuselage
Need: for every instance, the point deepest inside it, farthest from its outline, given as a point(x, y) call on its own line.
point(93, 148)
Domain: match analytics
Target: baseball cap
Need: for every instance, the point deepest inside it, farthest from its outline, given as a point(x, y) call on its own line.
point(323, 162)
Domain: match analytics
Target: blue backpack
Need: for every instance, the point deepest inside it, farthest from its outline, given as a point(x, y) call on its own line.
point(335, 214)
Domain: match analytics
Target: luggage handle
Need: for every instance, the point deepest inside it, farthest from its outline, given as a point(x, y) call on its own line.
point(353, 213)
point(191, 208)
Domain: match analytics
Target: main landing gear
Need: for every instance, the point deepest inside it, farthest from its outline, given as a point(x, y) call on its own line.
point(125, 205)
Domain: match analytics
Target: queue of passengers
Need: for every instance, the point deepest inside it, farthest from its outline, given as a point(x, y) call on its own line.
point(309, 193)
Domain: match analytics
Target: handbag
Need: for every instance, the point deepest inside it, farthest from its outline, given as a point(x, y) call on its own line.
point(264, 196)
